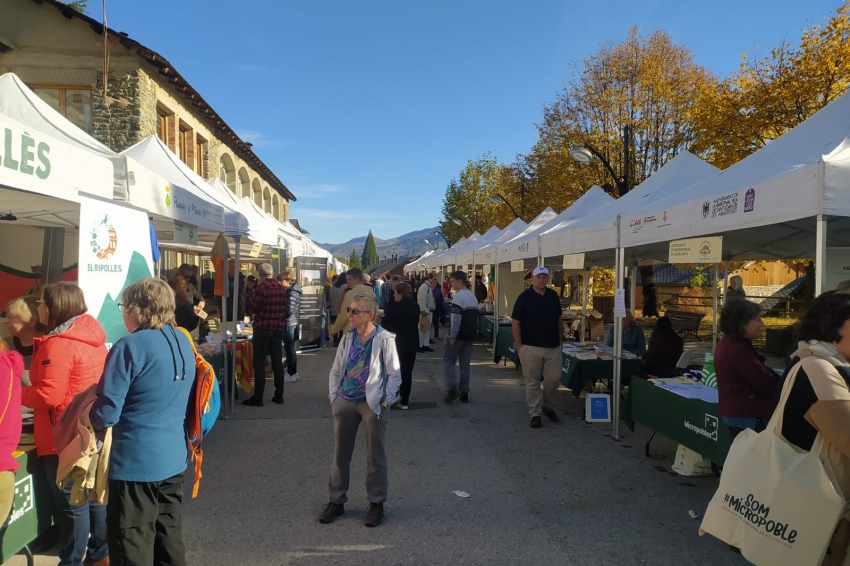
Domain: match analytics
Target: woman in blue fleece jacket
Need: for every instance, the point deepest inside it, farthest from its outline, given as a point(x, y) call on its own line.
point(143, 396)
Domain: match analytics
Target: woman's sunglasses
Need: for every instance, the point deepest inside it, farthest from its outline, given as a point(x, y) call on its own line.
point(355, 311)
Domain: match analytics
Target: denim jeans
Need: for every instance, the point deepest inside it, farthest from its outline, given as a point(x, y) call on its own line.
point(76, 522)
point(289, 349)
point(460, 354)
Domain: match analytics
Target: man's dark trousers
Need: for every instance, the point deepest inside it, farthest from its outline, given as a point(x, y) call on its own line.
point(267, 343)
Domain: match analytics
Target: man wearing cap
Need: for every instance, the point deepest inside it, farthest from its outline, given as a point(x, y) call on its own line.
point(539, 337)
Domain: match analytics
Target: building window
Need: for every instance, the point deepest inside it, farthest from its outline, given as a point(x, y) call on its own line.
point(186, 145)
point(162, 125)
point(201, 156)
point(72, 102)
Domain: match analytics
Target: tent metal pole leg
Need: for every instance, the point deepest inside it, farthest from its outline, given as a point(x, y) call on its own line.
point(496, 304)
point(820, 255)
point(222, 327)
point(633, 287)
point(725, 279)
point(618, 349)
point(235, 313)
point(714, 311)
point(584, 294)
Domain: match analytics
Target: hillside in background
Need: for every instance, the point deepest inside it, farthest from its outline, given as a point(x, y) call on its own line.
point(406, 245)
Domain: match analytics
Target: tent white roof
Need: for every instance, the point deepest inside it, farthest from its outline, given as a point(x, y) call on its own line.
point(464, 254)
point(434, 260)
point(520, 243)
point(596, 235)
point(154, 155)
point(765, 205)
point(447, 257)
point(487, 253)
point(413, 265)
point(526, 245)
point(43, 186)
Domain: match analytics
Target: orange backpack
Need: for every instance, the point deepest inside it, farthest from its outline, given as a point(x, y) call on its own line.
point(203, 409)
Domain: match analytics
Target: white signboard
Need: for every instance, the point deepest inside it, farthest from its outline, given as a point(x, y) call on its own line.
point(837, 267)
point(697, 250)
point(115, 251)
point(620, 303)
point(574, 261)
point(256, 249)
point(518, 265)
point(185, 233)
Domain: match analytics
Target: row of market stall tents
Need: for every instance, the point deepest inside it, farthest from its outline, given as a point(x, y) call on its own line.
point(789, 200)
point(148, 176)
point(48, 163)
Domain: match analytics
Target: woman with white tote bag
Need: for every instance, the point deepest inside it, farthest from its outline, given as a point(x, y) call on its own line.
point(782, 498)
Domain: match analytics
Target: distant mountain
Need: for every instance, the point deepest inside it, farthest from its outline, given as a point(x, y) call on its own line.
point(410, 244)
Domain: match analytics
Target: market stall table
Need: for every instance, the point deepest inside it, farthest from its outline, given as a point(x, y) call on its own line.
point(32, 509)
point(505, 347)
point(693, 423)
point(485, 327)
point(575, 373)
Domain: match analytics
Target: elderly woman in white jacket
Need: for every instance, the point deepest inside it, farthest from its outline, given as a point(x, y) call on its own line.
point(363, 383)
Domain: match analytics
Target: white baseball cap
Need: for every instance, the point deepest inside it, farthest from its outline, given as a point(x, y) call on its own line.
point(540, 270)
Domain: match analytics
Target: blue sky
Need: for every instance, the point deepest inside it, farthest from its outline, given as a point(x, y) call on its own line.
point(367, 109)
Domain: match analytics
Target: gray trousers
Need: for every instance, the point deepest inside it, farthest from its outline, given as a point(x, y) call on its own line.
point(461, 353)
point(347, 418)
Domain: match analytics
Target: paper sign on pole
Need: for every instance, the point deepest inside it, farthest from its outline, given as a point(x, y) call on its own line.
point(256, 249)
point(620, 303)
point(517, 265)
point(697, 250)
point(185, 233)
point(115, 251)
point(574, 261)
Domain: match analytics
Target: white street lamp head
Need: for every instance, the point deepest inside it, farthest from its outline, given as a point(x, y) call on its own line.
point(494, 199)
point(456, 221)
point(581, 154)
point(427, 242)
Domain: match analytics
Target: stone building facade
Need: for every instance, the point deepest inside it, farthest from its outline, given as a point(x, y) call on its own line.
point(59, 53)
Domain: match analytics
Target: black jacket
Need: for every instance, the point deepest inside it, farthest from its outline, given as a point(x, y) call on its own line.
point(293, 303)
point(402, 319)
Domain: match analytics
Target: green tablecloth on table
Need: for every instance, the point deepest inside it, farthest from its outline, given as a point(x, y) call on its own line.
point(32, 509)
point(692, 423)
point(485, 327)
point(575, 372)
point(505, 347)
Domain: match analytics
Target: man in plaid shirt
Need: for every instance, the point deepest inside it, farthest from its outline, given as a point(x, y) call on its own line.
point(269, 307)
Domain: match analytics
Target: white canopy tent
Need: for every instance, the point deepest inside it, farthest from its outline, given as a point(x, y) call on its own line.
point(464, 254)
point(414, 265)
point(526, 245)
point(790, 199)
point(487, 253)
point(522, 243)
point(436, 259)
point(596, 235)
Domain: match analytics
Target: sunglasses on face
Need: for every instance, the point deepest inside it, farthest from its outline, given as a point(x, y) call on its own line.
point(355, 311)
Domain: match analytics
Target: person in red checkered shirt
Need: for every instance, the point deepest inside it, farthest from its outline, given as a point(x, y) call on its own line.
point(269, 307)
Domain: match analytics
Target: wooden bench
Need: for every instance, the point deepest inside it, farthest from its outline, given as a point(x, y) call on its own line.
point(685, 322)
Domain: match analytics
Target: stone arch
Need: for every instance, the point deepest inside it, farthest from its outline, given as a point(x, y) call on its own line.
point(276, 206)
point(256, 192)
point(243, 183)
point(267, 200)
point(227, 171)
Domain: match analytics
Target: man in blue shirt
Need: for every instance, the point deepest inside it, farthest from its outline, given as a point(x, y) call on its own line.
point(634, 340)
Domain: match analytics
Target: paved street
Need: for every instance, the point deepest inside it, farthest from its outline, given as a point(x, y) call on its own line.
point(563, 494)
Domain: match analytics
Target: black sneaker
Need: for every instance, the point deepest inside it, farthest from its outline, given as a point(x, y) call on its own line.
point(251, 402)
point(551, 415)
point(427, 349)
point(464, 397)
point(331, 511)
point(451, 395)
point(536, 422)
point(278, 399)
point(374, 515)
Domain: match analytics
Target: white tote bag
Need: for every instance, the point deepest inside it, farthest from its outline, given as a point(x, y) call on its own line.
point(776, 503)
point(689, 463)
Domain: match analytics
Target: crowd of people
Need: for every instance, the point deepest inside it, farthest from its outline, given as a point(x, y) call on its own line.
point(134, 397)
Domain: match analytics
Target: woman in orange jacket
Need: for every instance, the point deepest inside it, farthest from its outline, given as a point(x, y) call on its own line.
point(67, 360)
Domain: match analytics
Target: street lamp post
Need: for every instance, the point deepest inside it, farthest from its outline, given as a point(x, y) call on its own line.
point(443, 236)
point(461, 222)
point(497, 197)
point(585, 155)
